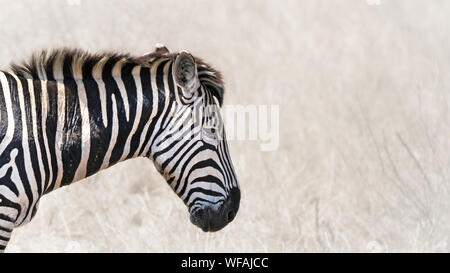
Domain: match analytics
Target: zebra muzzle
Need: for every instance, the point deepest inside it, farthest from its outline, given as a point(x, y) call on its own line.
point(213, 218)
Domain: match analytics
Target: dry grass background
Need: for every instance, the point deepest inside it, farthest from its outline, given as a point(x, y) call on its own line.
point(364, 156)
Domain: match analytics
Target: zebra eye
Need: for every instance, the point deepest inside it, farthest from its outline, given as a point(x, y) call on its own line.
point(210, 133)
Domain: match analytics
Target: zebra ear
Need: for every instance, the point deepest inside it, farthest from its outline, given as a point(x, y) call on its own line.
point(162, 49)
point(185, 72)
point(147, 59)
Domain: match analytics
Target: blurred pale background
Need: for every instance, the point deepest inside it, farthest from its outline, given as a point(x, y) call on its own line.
point(364, 157)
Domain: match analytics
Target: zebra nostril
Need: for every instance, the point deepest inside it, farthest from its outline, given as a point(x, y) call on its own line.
point(230, 216)
point(199, 213)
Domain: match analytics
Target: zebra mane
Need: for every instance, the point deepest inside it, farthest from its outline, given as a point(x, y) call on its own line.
point(41, 63)
point(211, 79)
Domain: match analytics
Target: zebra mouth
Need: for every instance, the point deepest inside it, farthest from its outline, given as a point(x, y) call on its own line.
point(213, 217)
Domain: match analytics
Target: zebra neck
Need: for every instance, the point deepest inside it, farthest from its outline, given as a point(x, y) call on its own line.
point(103, 122)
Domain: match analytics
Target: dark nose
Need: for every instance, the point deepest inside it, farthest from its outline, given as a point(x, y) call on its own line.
point(210, 218)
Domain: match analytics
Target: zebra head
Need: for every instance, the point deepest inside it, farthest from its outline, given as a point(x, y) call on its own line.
point(192, 152)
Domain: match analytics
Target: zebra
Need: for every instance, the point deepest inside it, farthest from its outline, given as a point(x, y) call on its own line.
point(67, 114)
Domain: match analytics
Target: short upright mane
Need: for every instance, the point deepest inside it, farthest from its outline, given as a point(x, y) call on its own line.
point(211, 79)
point(40, 63)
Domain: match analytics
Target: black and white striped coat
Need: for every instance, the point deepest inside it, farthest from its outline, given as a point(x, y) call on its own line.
point(67, 114)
